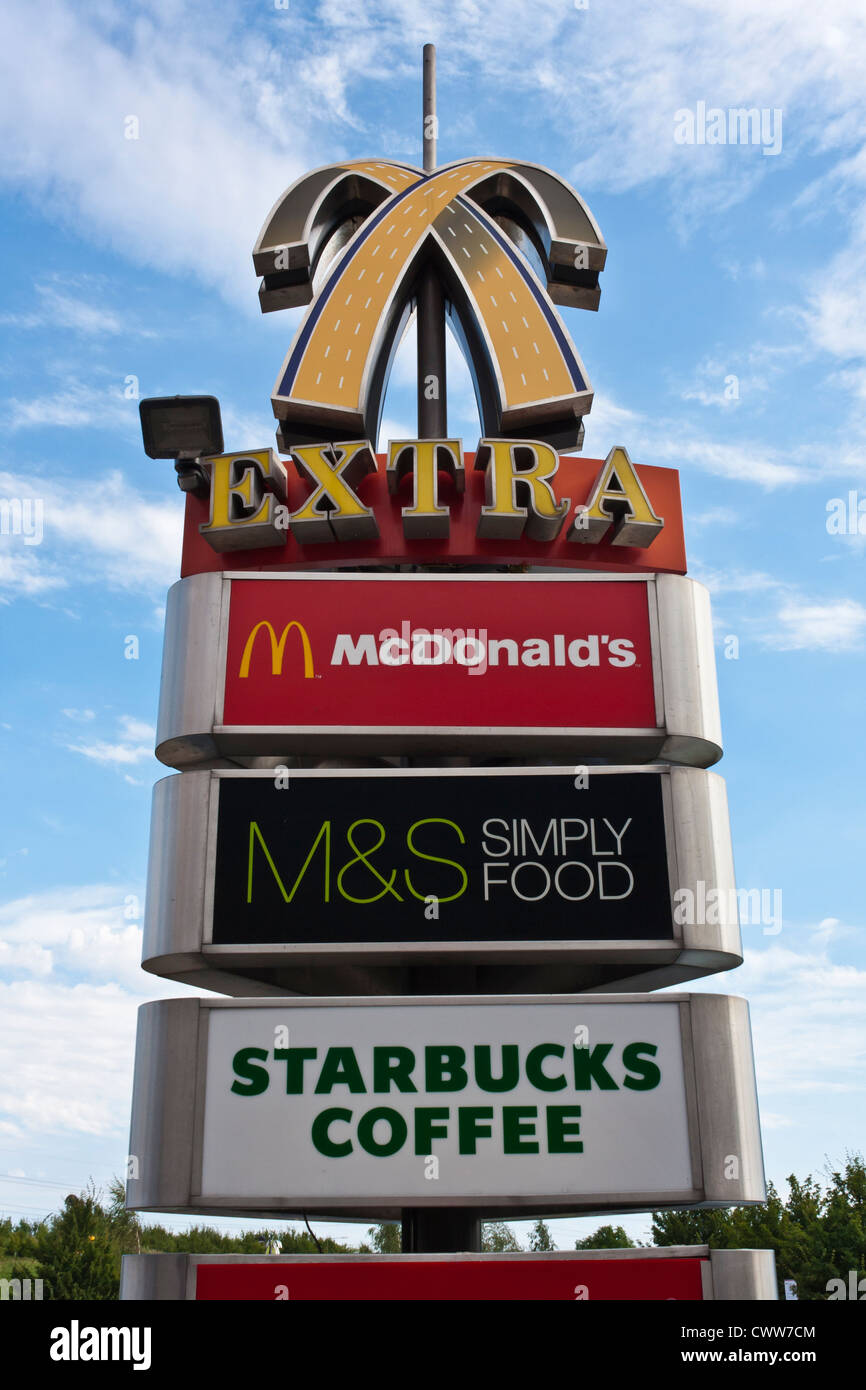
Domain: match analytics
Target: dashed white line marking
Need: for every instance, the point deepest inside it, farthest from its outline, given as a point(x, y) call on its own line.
point(493, 302)
point(546, 374)
point(393, 254)
point(505, 326)
point(525, 324)
point(379, 276)
point(514, 350)
point(348, 354)
point(349, 299)
point(357, 326)
point(340, 387)
point(466, 253)
point(362, 272)
point(535, 345)
point(337, 324)
point(513, 295)
point(480, 276)
point(318, 378)
point(468, 228)
point(523, 378)
point(452, 231)
point(499, 273)
point(484, 248)
point(369, 302)
point(327, 349)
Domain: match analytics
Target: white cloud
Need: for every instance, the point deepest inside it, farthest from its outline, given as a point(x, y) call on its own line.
point(807, 1016)
point(222, 125)
point(107, 533)
point(65, 1058)
point(807, 1020)
point(68, 1015)
point(76, 406)
point(835, 626)
point(79, 932)
point(23, 574)
point(57, 308)
point(797, 622)
point(135, 744)
point(716, 516)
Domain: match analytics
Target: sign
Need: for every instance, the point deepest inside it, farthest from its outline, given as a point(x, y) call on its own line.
point(545, 1103)
point(392, 220)
point(683, 1273)
point(512, 502)
point(299, 879)
point(595, 666)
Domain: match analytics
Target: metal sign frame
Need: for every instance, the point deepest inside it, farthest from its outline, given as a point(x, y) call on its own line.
point(178, 930)
point(168, 1113)
point(191, 731)
point(725, 1274)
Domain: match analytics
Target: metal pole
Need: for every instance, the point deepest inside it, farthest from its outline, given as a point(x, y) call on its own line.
point(430, 301)
point(428, 1230)
point(430, 132)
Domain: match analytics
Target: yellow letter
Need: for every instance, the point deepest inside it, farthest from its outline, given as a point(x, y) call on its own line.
point(517, 472)
point(425, 459)
point(241, 512)
point(617, 497)
point(335, 469)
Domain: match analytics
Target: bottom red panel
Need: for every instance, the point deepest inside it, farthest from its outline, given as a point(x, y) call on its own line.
point(391, 1279)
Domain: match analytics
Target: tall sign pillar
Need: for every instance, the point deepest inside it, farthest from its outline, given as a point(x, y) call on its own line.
point(442, 814)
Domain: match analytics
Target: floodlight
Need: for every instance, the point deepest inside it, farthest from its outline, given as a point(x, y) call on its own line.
point(183, 428)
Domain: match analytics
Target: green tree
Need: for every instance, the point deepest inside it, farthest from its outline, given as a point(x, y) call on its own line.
point(540, 1238)
point(818, 1233)
point(76, 1252)
point(606, 1238)
point(387, 1238)
point(498, 1238)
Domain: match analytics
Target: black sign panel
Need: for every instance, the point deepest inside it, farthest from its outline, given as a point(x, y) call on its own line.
point(441, 858)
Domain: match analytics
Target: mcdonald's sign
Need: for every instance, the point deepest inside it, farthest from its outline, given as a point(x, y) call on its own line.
point(278, 647)
point(602, 665)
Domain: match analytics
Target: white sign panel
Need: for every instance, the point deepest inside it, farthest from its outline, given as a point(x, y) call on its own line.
point(446, 1100)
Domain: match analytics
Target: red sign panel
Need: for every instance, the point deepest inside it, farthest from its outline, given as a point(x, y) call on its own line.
point(574, 480)
point(430, 653)
point(393, 1279)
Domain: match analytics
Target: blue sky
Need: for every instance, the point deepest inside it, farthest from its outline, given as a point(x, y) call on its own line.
point(131, 258)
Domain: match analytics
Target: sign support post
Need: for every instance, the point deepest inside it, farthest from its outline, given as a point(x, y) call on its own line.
point(435, 1230)
point(432, 407)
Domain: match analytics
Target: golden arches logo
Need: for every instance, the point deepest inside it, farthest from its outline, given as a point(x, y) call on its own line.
point(507, 241)
point(278, 647)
